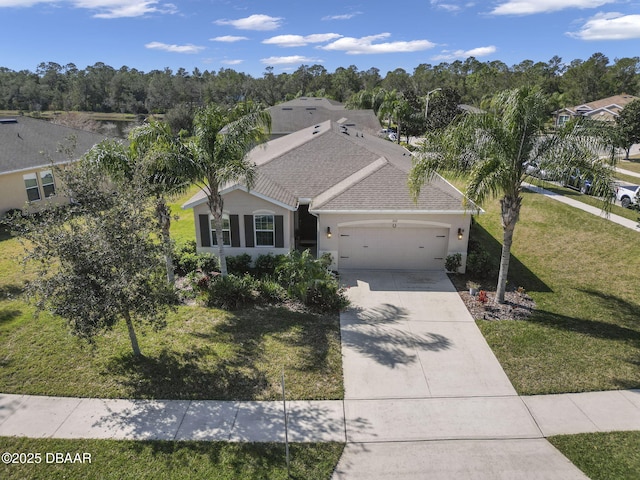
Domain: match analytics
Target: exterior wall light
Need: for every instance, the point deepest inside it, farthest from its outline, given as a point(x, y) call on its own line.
point(328, 232)
point(460, 232)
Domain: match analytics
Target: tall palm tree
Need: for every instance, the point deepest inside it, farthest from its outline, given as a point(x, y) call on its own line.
point(491, 150)
point(157, 159)
point(222, 139)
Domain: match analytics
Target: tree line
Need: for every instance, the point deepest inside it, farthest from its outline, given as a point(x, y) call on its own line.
point(102, 88)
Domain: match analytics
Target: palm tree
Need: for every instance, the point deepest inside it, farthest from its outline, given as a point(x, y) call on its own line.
point(158, 158)
point(218, 154)
point(491, 150)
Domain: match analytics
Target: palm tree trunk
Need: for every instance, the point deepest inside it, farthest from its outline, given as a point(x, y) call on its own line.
point(132, 335)
point(163, 215)
point(216, 206)
point(510, 211)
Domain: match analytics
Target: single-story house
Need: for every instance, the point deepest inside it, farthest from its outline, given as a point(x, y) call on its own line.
point(29, 149)
point(604, 109)
point(337, 190)
point(303, 112)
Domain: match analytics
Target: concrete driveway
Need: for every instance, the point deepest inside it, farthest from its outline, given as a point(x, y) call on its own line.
point(425, 397)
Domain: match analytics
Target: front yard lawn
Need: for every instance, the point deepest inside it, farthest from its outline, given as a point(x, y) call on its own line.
point(582, 271)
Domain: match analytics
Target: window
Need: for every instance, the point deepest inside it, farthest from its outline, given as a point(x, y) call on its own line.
point(264, 230)
point(31, 184)
point(562, 119)
point(226, 232)
point(46, 180)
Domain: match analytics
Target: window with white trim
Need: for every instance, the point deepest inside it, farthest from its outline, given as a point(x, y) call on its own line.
point(563, 119)
point(31, 184)
point(264, 230)
point(226, 232)
point(48, 186)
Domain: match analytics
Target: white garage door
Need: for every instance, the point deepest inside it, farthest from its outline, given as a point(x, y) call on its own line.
point(390, 248)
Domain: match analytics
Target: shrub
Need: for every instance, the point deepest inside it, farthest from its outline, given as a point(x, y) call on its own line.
point(453, 262)
point(239, 264)
point(265, 265)
point(479, 263)
point(231, 292)
point(271, 291)
point(309, 281)
point(186, 259)
point(325, 296)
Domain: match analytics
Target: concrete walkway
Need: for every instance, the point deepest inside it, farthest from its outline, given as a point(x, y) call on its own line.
point(625, 222)
point(425, 396)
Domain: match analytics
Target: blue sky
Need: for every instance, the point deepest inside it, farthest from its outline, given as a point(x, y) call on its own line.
point(249, 36)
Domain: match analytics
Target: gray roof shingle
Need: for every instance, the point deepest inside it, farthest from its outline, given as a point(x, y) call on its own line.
point(28, 143)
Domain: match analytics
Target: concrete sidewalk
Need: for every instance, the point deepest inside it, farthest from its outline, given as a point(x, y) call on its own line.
point(612, 217)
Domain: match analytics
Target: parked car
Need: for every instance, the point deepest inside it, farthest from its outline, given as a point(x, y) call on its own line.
point(578, 182)
point(533, 169)
point(628, 195)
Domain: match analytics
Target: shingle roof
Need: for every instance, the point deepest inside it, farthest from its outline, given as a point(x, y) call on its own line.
point(27, 143)
point(615, 103)
point(304, 112)
point(342, 169)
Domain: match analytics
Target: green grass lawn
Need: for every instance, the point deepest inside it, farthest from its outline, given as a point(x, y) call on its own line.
point(152, 460)
point(603, 456)
point(633, 164)
point(583, 272)
point(204, 353)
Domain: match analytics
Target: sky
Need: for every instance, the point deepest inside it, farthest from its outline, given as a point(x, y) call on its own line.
point(250, 36)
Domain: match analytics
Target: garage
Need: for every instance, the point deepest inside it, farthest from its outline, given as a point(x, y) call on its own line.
point(392, 248)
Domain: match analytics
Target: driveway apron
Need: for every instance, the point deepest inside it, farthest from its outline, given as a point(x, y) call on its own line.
point(425, 397)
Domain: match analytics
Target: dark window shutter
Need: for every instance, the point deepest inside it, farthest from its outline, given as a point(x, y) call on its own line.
point(279, 225)
point(248, 231)
point(205, 231)
point(234, 223)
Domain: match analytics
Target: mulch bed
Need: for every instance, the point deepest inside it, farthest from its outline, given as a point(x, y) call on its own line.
point(517, 306)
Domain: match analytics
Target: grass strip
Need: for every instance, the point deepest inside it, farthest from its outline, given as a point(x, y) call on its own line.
point(151, 460)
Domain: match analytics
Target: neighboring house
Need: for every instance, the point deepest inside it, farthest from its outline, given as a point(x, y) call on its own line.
point(605, 109)
point(28, 152)
point(303, 112)
point(337, 190)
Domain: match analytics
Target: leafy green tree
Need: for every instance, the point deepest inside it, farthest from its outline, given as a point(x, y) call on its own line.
point(491, 149)
point(97, 261)
point(218, 154)
point(628, 126)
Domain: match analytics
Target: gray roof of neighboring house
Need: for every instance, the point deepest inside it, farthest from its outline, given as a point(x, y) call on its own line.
point(304, 112)
point(27, 143)
point(342, 169)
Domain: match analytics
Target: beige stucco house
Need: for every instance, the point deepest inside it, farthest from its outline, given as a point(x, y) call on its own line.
point(29, 153)
point(605, 109)
point(334, 189)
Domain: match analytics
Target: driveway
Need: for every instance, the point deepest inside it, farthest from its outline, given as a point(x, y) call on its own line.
point(425, 397)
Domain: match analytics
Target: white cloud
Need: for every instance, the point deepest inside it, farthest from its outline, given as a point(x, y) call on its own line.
point(106, 8)
point(228, 39)
point(253, 22)
point(188, 48)
point(449, 6)
point(292, 59)
point(124, 8)
point(448, 55)
point(23, 3)
point(231, 62)
point(365, 45)
point(609, 26)
point(527, 7)
point(346, 16)
point(300, 40)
